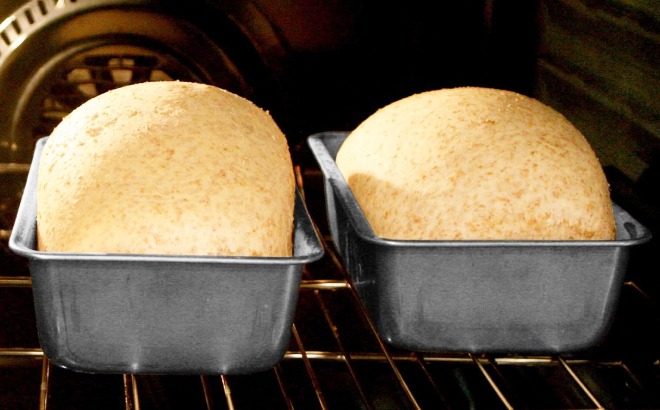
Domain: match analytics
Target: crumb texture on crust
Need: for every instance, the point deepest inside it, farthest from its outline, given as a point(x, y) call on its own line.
point(167, 168)
point(475, 163)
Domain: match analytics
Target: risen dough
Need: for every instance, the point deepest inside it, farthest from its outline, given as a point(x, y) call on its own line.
point(476, 163)
point(167, 168)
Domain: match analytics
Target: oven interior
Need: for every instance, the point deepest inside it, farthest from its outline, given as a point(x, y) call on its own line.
point(325, 66)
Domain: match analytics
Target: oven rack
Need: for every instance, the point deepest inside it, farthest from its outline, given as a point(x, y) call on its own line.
point(488, 375)
point(335, 360)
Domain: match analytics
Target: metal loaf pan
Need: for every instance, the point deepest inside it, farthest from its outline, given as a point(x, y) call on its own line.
point(161, 314)
point(477, 296)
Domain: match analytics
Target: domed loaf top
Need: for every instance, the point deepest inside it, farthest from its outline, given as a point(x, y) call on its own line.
point(476, 164)
point(167, 168)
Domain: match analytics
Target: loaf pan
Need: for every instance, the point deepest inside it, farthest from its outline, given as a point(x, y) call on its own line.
point(162, 314)
point(514, 297)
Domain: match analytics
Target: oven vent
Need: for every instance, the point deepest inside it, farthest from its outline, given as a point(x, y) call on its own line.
point(97, 74)
point(96, 71)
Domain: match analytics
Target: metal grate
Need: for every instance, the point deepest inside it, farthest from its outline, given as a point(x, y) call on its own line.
point(95, 71)
point(336, 360)
point(96, 75)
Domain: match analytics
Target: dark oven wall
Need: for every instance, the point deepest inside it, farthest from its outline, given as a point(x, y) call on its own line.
point(327, 65)
point(315, 65)
point(597, 63)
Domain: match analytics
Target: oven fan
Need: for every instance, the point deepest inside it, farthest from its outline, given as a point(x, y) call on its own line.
point(57, 54)
point(92, 73)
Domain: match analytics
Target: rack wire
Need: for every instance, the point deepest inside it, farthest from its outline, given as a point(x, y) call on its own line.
point(336, 360)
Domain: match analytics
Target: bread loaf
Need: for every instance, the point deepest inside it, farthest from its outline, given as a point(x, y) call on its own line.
point(476, 164)
point(167, 168)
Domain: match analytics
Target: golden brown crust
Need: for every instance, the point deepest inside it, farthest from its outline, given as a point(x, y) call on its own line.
point(167, 168)
point(476, 163)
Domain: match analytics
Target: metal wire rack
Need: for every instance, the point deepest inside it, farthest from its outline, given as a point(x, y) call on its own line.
point(336, 360)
